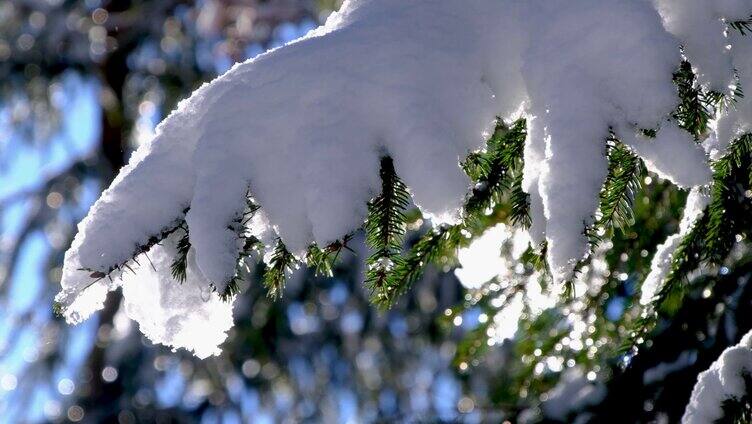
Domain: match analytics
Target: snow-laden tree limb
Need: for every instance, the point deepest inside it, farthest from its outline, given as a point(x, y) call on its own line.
point(304, 127)
point(720, 385)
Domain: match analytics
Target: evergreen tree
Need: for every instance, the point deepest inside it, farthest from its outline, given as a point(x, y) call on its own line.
point(579, 320)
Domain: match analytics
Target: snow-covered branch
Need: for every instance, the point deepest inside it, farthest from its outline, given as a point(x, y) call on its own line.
point(307, 125)
point(723, 383)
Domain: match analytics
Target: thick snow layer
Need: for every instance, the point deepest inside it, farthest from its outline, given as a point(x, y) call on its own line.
point(698, 23)
point(612, 70)
point(303, 126)
point(180, 315)
point(738, 120)
point(158, 303)
point(724, 380)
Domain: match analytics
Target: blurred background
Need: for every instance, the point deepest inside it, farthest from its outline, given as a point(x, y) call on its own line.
point(84, 82)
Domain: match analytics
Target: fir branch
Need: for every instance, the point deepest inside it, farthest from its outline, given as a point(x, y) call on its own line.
point(406, 270)
point(744, 27)
point(624, 179)
point(251, 244)
point(477, 166)
point(385, 227)
point(231, 289)
point(495, 170)
point(696, 107)
point(143, 248)
point(536, 258)
point(688, 256)
point(616, 201)
point(513, 147)
point(504, 153)
point(179, 266)
point(520, 203)
point(729, 209)
point(58, 308)
point(738, 410)
point(322, 260)
point(568, 292)
point(713, 235)
point(281, 263)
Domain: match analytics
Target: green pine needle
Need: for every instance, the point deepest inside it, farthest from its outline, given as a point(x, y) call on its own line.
point(624, 179)
point(712, 237)
point(320, 261)
point(179, 266)
point(729, 212)
point(520, 203)
point(323, 260)
point(696, 106)
point(744, 27)
point(232, 289)
point(281, 263)
point(477, 166)
point(385, 227)
point(407, 270)
point(493, 170)
point(536, 258)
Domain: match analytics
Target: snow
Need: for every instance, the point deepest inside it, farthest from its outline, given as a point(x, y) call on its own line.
point(698, 24)
point(602, 79)
point(718, 56)
point(660, 266)
point(668, 154)
point(154, 299)
point(737, 121)
point(158, 303)
point(534, 157)
point(724, 380)
point(303, 126)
